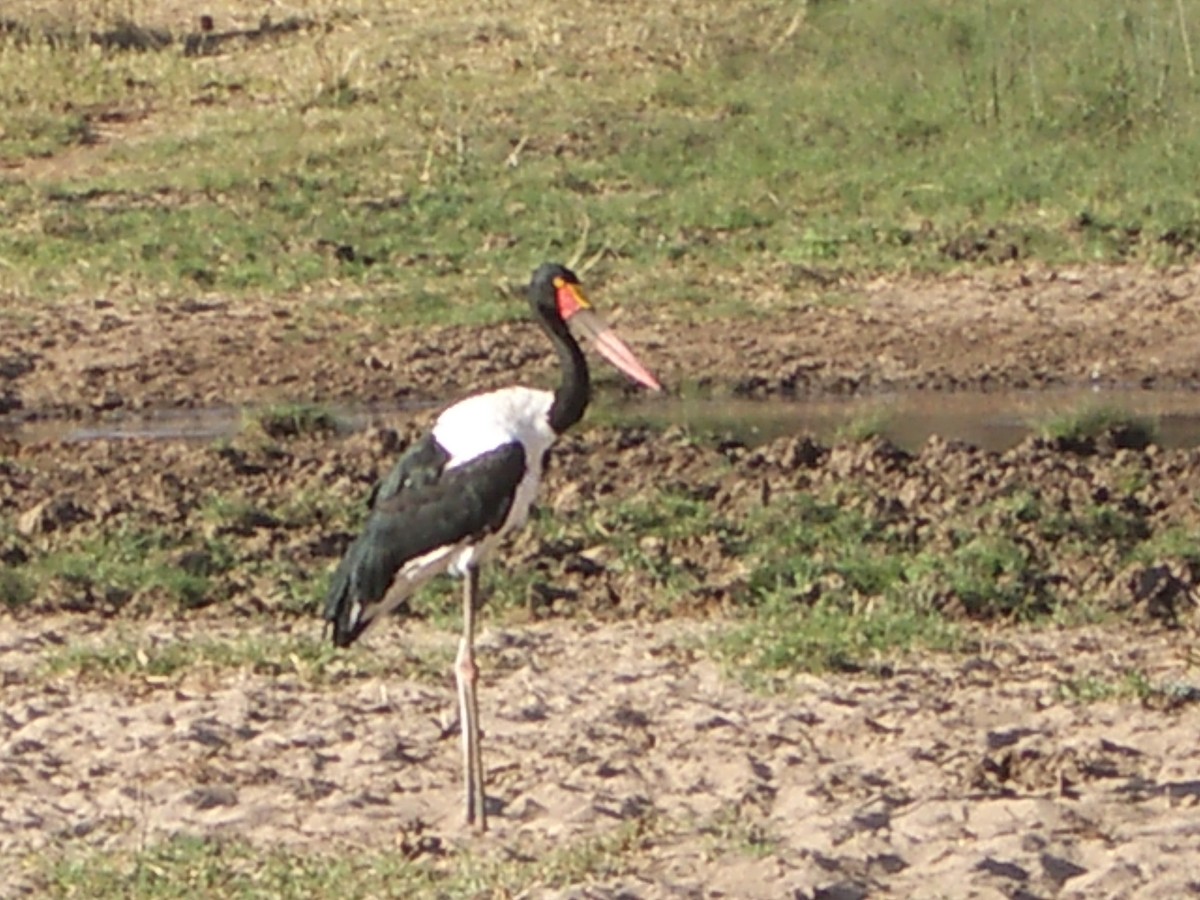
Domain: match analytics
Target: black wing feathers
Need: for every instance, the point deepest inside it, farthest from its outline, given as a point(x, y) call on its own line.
point(418, 508)
point(420, 465)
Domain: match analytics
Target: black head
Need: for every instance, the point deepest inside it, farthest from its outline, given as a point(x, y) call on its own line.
point(566, 314)
point(554, 293)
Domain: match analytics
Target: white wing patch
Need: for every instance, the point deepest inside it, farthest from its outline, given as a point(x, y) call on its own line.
point(484, 422)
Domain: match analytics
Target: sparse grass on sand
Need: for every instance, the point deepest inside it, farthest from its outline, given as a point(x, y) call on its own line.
point(311, 658)
point(188, 867)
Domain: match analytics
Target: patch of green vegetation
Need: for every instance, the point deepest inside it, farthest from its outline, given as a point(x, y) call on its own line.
point(1118, 521)
point(832, 588)
point(1132, 478)
point(290, 420)
point(317, 506)
point(643, 534)
point(1092, 422)
point(390, 157)
point(16, 588)
point(312, 658)
point(189, 866)
point(113, 565)
point(1173, 542)
point(781, 636)
point(730, 831)
point(234, 513)
point(994, 576)
point(300, 508)
point(123, 657)
point(294, 585)
point(186, 867)
point(864, 426)
point(1132, 685)
point(299, 590)
point(1099, 523)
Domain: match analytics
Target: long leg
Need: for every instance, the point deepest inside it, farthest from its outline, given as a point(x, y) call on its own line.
point(468, 706)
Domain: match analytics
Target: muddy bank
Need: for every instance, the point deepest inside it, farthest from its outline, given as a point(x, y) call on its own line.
point(254, 525)
point(1012, 330)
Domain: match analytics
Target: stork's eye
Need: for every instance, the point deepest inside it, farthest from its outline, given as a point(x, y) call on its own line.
point(559, 284)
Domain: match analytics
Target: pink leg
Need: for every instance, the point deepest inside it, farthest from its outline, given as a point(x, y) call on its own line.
point(467, 675)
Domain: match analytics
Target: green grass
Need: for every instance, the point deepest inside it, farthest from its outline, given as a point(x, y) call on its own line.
point(110, 567)
point(1173, 542)
point(232, 545)
point(312, 658)
point(833, 587)
point(731, 831)
point(640, 532)
point(1130, 685)
point(865, 425)
point(1095, 524)
point(125, 657)
point(187, 867)
point(16, 588)
point(779, 638)
point(294, 586)
point(291, 420)
point(407, 164)
point(1093, 421)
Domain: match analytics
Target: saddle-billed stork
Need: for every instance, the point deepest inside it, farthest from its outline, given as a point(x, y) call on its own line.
point(456, 491)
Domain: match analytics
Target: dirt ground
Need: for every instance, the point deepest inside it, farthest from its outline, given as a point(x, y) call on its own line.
point(950, 777)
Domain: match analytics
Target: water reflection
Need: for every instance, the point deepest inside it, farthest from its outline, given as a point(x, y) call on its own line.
point(992, 420)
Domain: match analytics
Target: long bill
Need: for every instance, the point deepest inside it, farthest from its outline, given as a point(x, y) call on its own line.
point(588, 325)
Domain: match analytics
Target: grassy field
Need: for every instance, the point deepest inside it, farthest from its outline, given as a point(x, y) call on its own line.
point(719, 152)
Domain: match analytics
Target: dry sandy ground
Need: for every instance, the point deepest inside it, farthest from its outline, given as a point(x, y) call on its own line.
point(952, 778)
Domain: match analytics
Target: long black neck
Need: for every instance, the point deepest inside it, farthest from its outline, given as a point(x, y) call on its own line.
point(575, 390)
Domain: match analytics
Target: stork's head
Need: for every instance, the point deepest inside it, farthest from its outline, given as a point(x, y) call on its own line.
point(557, 298)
